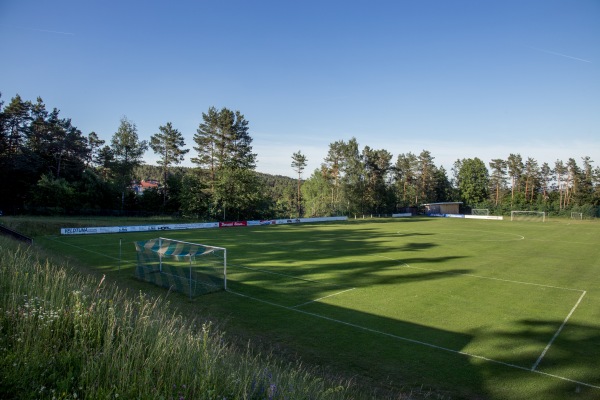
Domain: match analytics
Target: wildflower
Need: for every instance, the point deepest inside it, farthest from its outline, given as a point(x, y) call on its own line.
point(272, 390)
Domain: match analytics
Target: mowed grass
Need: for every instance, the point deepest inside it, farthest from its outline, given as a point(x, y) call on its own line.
point(471, 308)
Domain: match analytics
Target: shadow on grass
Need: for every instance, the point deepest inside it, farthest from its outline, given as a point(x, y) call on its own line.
point(568, 370)
point(396, 356)
point(391, 352)
point(399, 354)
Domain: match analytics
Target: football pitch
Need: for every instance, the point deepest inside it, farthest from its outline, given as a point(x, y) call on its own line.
point(496, 309)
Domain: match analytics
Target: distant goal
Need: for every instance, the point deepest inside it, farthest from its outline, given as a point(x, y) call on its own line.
point(576, 215)
point(480, 211)
point(191, 268)
point(536, 216)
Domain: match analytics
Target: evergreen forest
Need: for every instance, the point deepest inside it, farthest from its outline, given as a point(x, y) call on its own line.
point(49, 167)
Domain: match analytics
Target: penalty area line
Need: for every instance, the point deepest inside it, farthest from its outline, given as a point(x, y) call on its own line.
point(402, 264)
point(321, 298)
point(535, 365)
point(285, 275)
point(418, 342)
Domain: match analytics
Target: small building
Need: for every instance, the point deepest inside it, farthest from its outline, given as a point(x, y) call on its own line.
point(450, 207)
point(139, 188)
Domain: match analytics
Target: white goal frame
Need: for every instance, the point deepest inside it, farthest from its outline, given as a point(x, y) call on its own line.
point(528, 216)
point(480, 211)
point(178, 254)
point(576, 215)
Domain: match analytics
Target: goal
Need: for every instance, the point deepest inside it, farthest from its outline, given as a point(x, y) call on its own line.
point(190, 268)
point(480, 211)
point(539, 216)
point(576, 215)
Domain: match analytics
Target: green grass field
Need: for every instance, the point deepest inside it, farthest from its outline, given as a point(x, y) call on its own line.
point(470, 308)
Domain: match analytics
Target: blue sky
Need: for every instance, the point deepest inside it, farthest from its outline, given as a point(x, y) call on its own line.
point(460, 79)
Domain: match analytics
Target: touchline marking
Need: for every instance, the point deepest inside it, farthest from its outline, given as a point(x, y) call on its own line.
point(562, 241)
point(405, 265)
point(324, 297)
point(416, 341)
point(449, 232)
point(84, 249)
point(535, 365)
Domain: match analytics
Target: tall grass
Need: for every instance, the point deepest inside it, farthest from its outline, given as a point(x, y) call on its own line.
point(66, 336)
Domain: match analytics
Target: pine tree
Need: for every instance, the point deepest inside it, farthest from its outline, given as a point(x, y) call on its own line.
point(405, 177)
point(168, 144)
point(498, 178)
point(224, 151)
point(127, 152)
point(531, 173)
point(206, 145)
point(515, 171)
point(333, 165)
point(298, 164)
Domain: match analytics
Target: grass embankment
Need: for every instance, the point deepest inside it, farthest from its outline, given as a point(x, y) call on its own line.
point(66, 335)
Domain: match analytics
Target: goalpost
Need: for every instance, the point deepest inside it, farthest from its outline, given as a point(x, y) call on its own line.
point(576, 215)
point(480, 211)
point(528, 216)
point(190, 268)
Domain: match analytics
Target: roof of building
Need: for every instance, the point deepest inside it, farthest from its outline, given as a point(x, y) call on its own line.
point(445, 202)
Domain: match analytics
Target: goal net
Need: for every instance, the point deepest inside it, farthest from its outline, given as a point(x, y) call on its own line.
point(576, 215)
point(190, 268)
point(480, 211)
point(539, 216)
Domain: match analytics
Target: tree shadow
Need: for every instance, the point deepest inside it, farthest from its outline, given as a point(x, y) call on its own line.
point(392, 352)
point(412, 234)
point(569, 369)
point(393, 355)
point(398, 354)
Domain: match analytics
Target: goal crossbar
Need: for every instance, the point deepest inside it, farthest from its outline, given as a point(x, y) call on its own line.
point(528, 216)
point(480, 211)
point(576, 215)
point(178, 248)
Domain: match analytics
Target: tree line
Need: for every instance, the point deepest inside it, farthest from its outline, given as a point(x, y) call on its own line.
point(48, 166)
point(369, 181)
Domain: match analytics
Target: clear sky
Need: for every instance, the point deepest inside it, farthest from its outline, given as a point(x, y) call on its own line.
point(461, 79)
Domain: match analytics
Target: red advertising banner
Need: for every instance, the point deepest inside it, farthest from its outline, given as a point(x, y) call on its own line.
point(232, 224)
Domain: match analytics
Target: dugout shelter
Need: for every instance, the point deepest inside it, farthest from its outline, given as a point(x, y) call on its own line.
point(450, 207)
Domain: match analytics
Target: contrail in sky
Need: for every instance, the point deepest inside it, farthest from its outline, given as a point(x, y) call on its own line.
point(41, 30)
point(44, 30)
point(560, 54)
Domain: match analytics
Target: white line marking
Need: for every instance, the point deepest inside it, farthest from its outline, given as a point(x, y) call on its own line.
point(324, 297)
point(84, 249)
point(557, 332)
point(535, 365)
point(563, 241)
point(286, 275)
point(405, 265)
point(450, 233)
point(416, 341)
